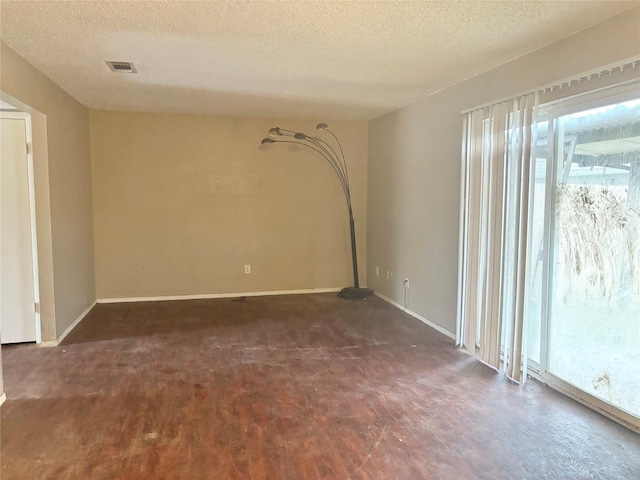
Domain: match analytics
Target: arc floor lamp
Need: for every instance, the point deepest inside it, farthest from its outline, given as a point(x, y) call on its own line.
point(339, 166)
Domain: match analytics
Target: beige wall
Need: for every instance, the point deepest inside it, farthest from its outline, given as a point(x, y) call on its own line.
point(183, 202)
point(63, 191)
point(414, 166)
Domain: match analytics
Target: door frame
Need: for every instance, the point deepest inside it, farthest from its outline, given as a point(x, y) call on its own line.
point(552, 110)
point(26, 117)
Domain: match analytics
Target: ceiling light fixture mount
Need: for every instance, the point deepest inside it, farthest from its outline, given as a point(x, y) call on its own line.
point(339, 165)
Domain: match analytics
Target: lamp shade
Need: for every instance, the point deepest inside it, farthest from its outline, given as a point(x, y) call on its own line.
point(275, 132)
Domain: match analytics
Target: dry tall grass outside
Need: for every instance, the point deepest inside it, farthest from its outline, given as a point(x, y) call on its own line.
point(599, 239)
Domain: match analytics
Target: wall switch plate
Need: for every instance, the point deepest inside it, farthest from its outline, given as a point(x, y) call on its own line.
point(377, 271)
point(247, 269)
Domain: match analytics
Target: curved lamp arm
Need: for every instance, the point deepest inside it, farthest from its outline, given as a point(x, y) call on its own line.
point(331, 154)
point(325, 127)
point(322, 142)
point(332, 162)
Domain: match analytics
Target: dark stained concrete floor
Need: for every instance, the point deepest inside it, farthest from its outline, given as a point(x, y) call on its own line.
point(288, 387)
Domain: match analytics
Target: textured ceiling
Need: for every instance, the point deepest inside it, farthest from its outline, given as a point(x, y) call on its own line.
point(329, 60)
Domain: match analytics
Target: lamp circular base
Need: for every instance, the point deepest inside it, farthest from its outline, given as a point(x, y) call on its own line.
point(352, 293)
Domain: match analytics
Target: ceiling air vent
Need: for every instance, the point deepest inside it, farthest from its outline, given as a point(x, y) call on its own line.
point(121, 67)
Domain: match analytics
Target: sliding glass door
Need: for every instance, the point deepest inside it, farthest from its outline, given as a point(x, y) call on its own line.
point(584, 301)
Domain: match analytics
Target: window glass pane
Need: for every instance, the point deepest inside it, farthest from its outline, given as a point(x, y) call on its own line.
point(534, 294)
point(594, 315)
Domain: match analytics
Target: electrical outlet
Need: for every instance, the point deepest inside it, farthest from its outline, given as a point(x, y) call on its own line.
point(247, 269)
point(377, 271)
point(406, 283)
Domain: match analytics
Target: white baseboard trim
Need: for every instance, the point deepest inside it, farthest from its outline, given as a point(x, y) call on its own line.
point(3, 397)
point(75, 323)
point(440, 329)
point(216, 295)
point(70, 327)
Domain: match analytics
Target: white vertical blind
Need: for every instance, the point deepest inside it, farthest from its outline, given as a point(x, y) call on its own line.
point(496, 174)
